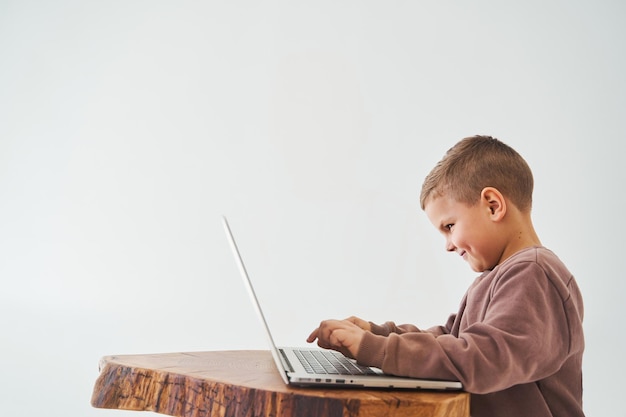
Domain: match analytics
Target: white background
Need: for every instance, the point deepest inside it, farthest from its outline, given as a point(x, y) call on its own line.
point(127, 128)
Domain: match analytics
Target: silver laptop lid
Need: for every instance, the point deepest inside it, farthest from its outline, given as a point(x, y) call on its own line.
point(255, 301)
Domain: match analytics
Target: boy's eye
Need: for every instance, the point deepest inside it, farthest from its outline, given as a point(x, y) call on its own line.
point(448, 226)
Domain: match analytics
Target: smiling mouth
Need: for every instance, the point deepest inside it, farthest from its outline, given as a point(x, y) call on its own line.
point(462, 254)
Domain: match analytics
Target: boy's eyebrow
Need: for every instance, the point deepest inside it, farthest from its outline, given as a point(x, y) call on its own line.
point(442, 224)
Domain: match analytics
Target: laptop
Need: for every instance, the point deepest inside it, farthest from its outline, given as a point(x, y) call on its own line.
point(306, 367)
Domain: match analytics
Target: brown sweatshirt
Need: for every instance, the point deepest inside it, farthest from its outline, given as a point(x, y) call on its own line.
point(516, 343)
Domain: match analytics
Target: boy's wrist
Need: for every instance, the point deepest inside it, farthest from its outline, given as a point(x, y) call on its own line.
point(371, 350)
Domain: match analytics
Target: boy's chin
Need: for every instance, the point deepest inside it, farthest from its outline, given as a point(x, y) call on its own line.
point(480, 267)
point(477, 267)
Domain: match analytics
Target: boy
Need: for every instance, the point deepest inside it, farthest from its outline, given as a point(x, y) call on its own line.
point(516, 343)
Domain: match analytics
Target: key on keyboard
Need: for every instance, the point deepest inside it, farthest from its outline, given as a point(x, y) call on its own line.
point(329, 362)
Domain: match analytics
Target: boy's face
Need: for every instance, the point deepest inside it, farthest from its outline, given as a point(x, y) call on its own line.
point(468, 230)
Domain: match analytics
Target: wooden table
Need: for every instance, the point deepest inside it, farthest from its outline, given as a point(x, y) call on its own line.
point(246, 384)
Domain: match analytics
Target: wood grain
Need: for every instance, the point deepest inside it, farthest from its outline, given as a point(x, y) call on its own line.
point(247, 384)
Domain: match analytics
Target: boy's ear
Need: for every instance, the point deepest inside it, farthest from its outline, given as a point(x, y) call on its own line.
point(494, 201)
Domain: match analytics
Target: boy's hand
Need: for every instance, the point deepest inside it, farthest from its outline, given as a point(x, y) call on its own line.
point(342, 335)
point(365, 325)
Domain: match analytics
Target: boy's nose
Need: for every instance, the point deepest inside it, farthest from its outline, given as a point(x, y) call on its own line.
point(450, 246)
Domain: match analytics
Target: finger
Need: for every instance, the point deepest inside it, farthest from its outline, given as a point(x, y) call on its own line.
point(321, 332)
point(313, 335)
point(325, 328)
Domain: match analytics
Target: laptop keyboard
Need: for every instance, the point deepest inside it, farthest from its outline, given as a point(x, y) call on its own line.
point(330, 362)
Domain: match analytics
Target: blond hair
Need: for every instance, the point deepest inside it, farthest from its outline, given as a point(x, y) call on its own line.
point(475, 163)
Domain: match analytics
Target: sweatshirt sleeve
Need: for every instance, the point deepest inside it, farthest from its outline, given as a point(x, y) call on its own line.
point(522, 337)
point(390, 327)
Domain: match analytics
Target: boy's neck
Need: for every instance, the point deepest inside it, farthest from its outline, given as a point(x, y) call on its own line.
point(521, 234)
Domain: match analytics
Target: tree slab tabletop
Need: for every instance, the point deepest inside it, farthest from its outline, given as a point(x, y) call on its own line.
point(247, 383)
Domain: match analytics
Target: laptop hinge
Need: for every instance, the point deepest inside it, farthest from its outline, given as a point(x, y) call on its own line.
point(285, 361)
